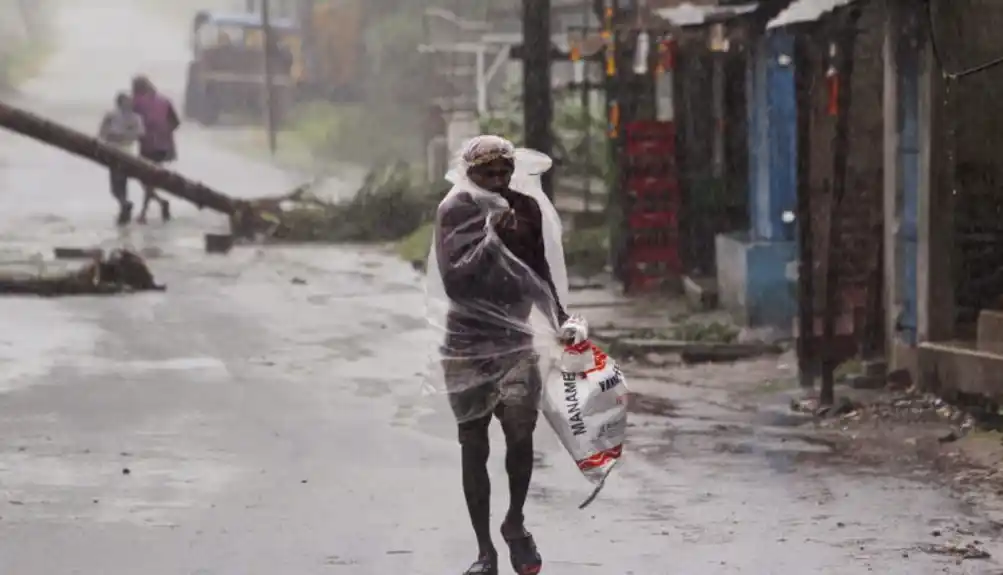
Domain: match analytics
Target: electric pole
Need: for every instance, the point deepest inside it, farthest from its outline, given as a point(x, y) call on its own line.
point(267, 42)
point(538, 104)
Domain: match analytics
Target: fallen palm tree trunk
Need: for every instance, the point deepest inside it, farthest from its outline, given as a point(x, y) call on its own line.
point(80, 144)
point(121, 272)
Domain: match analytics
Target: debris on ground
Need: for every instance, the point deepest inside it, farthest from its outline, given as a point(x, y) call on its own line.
point(691, 342)
point(959, 550)
point(121, 271)
point(910, 406)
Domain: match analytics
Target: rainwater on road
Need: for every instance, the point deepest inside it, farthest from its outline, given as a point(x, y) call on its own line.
point(263, 416)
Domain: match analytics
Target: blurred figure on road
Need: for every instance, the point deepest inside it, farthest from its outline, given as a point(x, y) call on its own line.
point(157, 144)
point(122, 128)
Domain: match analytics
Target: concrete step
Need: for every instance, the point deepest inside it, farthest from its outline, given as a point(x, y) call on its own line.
point(701, 292)
point(959, 367)
point(989, 331)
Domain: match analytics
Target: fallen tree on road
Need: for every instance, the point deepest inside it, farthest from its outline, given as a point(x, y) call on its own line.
point(390, 204)
point(38, 128)
point(122, 271)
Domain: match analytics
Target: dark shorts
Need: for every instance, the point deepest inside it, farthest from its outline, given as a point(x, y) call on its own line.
point(507, 387)
point(156, 156)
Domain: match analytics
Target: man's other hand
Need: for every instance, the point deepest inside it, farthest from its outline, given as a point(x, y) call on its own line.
point(506, 220)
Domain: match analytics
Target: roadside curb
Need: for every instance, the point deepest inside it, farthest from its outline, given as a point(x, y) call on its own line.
point(625, 346)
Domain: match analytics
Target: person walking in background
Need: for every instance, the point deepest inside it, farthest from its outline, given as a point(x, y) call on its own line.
point(122, 128)
point(157, 144)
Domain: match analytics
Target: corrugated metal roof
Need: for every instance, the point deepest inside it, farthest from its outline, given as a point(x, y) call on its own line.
point(805, 11)
point(689, 14)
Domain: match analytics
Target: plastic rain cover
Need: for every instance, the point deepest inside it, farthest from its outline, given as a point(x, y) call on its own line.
point(495, 319)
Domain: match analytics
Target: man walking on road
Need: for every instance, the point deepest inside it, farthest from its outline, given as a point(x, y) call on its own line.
point(122, 128)
point(157, 144)
point(488, 357)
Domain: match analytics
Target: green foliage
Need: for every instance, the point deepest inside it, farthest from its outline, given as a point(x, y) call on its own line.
point(356, 132)
point(586, 251)
point(391, 204)
point(713, 332)
point(415, 247)
point(581, 142)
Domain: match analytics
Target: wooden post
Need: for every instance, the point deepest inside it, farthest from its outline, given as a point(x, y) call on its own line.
point(935, 305)
point(807, 362)
point(267, 40)
point(538, 106)
point(892, 176)
point(841, 149)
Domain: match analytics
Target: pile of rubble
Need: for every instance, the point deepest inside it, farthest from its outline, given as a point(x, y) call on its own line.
point(910, 406)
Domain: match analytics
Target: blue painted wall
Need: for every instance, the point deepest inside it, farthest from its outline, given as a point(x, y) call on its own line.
point(772, 116)
point(782, 109)
point(769, 294)
point(757, 289)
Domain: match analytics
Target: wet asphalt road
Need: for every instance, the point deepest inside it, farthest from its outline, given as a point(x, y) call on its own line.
point(263, 416)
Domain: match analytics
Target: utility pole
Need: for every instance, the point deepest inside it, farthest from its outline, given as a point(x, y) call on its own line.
point(538, 104)
point(806, 348)
point(840, 161)
point(267, 41)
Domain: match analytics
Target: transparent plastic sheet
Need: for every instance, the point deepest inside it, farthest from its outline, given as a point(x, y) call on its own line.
point(495, 319)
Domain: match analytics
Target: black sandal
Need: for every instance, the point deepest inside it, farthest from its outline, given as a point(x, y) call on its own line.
point(526, 559)
point(485, 565)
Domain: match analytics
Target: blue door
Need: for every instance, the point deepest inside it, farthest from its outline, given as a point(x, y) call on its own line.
point(782, 102)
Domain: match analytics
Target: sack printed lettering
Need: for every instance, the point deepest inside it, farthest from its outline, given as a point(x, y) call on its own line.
point(574, 411)
point(611, 381)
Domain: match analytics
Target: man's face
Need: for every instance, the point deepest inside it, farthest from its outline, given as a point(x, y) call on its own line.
point(493, 176)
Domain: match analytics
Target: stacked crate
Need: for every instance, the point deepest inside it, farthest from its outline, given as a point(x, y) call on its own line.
point(651, 205)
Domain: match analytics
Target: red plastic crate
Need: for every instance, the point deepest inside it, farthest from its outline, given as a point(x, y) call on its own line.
point(651, 257)
point(654, 187)
point(665, 220)
point(640, 282)
point(664, 150)
point(650, 130)
point(653, 236)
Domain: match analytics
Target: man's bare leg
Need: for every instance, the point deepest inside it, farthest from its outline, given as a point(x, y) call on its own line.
point(149, 195)
point(475, 449)
point(519, 424)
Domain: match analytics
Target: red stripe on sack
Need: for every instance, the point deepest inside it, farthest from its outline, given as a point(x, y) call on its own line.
point(601, 459)
point(599, 359)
